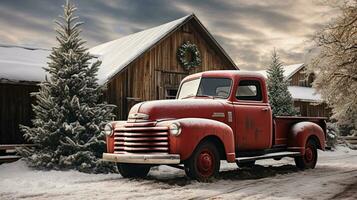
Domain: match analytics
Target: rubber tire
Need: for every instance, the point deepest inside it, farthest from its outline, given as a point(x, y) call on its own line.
point(249, 164)
point(191, 167)
point(133, 170)
point(301, 161)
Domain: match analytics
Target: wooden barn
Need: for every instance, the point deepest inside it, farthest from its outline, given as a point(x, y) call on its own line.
point(145, 65)
point(138, 67)
point(306, 101)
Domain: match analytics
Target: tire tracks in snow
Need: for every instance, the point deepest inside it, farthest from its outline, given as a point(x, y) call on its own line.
point(349, 192)
point(337, 158)
point(320, 174)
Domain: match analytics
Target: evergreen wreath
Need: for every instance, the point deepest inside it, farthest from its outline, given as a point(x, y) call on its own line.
point(188, 55)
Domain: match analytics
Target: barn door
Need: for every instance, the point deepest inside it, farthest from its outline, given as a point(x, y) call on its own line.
point(167, 83)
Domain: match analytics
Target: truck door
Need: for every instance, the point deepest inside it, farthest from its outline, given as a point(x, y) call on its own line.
point(253, 116)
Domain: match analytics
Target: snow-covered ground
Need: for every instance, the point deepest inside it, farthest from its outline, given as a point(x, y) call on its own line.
point(335, 177)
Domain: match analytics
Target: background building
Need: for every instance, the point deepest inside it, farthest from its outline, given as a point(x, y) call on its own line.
point(306, 100)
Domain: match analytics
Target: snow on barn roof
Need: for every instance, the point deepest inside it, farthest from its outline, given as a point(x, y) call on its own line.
point(289, 70)
point(117, 54)
point(19, 63)
point(307, 94)
point(26, 64)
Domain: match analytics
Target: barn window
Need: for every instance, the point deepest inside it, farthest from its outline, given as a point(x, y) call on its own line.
point(170, 93)
point(303, 82)
point(310, 79)
point(307, 81)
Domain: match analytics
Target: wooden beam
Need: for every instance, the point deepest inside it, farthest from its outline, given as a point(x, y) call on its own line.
point(5, 159)
point(13, 146)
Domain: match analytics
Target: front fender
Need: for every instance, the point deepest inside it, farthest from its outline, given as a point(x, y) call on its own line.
point(194, 130)
point(110, 139)
point(301, 132)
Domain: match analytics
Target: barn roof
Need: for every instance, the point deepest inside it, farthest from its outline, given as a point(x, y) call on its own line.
point(289, 70)
point(306, 94)
point(298, 93)
point(18, 63)
point(117, 54)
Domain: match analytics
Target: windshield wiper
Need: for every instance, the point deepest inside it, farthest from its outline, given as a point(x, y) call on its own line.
point(188, 96)
point(219, 97)
point(203, 95)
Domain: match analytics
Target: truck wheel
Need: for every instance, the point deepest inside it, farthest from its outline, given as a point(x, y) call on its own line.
point(133, 170)
point(249, 164)
point(204, 162)
point(307, 161)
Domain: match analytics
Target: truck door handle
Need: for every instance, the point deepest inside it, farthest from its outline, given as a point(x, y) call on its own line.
point(265, 109)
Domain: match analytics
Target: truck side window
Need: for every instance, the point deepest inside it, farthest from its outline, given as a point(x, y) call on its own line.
point(249, 90)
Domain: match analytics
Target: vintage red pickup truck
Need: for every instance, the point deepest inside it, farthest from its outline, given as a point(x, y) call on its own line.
point(217, 115)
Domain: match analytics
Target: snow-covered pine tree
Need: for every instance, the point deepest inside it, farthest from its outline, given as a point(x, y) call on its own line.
point(68, 111)
point(279, 96)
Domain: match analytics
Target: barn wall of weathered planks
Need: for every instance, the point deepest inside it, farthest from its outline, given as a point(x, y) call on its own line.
point(312, 109)
point(157, 71)
point(15, 109)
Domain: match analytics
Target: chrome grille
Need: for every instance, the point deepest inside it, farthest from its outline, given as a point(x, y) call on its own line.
point(141, 140)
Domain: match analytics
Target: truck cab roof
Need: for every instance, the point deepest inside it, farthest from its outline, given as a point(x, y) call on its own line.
point(237, 77)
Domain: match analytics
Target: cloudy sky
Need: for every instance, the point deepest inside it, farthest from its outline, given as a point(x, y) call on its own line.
point(248, 30)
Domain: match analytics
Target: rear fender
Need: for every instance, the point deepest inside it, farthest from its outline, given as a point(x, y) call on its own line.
point(301, 132)
point(195, 130)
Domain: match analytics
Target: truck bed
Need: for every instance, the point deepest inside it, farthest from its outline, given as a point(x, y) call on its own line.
point(282, 126)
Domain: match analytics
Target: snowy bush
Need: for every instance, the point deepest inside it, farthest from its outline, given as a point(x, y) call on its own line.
point(68, 112)
point(332, 134)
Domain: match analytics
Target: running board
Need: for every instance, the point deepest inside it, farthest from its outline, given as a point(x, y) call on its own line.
point(267, 156)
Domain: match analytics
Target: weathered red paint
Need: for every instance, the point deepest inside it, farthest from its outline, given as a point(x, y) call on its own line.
point(195, 131)
point(110, 144)
point(110, 139)
point(251, 127)
point(303, 131)
point(295, 131)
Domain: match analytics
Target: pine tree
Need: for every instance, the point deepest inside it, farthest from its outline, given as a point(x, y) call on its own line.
point(68, 112)
point(279, 96)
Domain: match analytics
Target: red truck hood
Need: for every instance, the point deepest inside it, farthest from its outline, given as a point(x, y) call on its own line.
point(175, 109)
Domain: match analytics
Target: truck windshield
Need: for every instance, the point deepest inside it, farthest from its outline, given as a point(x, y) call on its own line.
point(207, 87)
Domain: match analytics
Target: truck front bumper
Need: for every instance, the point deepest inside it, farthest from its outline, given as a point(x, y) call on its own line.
point(162, 159)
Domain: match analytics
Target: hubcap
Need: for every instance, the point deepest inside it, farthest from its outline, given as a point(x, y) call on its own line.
point(205, 163)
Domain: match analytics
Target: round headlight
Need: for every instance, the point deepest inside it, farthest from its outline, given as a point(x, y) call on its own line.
point(175, 129)
point(108, 129)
